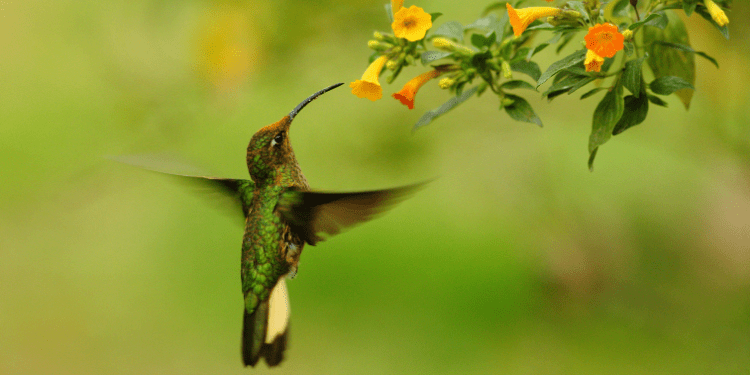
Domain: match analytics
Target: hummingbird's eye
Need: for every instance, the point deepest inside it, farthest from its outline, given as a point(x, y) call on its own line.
point(277, 139)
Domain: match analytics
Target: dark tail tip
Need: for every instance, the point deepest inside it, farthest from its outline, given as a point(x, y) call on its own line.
point(253, 339)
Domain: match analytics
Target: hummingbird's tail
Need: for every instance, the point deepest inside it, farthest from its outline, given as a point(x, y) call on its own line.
point(265, 331)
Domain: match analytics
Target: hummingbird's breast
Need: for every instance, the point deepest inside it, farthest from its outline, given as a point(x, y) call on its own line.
point(270, 249)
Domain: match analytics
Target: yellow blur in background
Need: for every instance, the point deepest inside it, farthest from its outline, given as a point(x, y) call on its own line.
point(517, 260)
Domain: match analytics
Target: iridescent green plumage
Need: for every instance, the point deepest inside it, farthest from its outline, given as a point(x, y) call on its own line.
point(281, 216)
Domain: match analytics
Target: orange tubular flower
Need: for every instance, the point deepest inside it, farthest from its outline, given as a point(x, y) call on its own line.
point(406, 95)
point(593, 62)
point(521, 18)
point(369, 86)
point(411, 23)
point(604, 39)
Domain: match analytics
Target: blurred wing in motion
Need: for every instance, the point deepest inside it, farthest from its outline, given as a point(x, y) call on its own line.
point(238, 191)
point(312, 214)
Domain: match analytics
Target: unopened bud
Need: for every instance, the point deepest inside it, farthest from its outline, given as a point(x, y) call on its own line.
point(507, 73)
point(444, 44)
point(628, 34)
point(446, 83)
point(392, 65)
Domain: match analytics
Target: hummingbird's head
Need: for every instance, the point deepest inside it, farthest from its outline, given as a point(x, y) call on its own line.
point(270, 154)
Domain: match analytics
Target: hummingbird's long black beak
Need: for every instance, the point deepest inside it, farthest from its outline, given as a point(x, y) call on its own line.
point(312, 97)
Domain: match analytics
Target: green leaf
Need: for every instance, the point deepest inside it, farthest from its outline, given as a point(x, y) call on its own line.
point(517, 84)
point(520, 110)
point(452, 30)
point(481, 41)
point(491, 23)
point(685, 48)
point(592, 92)
point(482, 23)
point(606, 116)
point(434, 16)
point(629, 48)
point(724, 30)
point(430, 115)
point(529, 68)
point(631, 77)
point(666, 61)
point(657, 100)
point(430, 56)
point(580, 8)
point(636, 109)
point(566, 62)
point(389, 11)
point(669, 84)
point(567, 83)
point(653, 19)
point(689, 6)
point(616, 9)
point(500, 5)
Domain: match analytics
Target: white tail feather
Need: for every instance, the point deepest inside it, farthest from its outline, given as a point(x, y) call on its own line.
point(278, 311)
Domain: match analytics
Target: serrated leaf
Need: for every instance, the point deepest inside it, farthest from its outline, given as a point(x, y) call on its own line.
point(631, 77)
point(430, 115)
point(521, 110)
point(669, 84)
point(452, 30)
point(665, 61)
point(529, 68)
point(606, 116)
point(517, 84)
point(636, 110)
point(557, 66)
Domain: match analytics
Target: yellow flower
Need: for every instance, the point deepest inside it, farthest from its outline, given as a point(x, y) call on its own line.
point(593, 62)
point(716, 13)
point(411, 23)
point(369, 86)
point(406, 95)
point(604, 39)
point(396, 5)
point(520, 19)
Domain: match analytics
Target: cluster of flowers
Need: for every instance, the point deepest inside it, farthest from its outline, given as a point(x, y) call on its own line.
point(410, 26)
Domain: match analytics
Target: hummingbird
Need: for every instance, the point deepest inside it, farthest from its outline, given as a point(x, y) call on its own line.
point(281, 215)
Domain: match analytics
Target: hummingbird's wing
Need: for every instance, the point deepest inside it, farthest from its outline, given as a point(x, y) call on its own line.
point(312, 214)
point(238, 191)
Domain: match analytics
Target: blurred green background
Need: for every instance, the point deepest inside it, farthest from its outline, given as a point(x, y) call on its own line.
point(517, 260)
